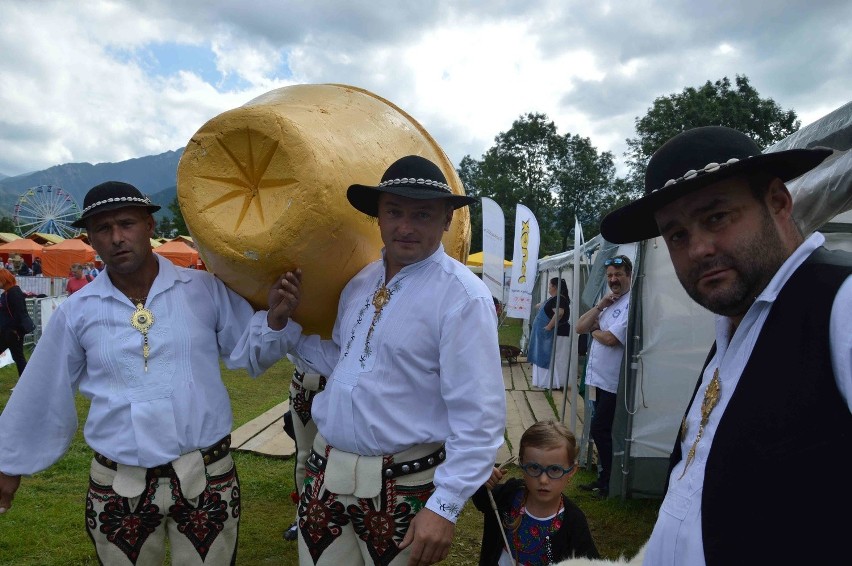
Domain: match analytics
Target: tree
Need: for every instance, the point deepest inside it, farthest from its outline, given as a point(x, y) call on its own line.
point(178, 223)
point(555, 176)
point(469, 172)
point(713, 104)
point(165, 228)
point(8, 225)
point(586, 187)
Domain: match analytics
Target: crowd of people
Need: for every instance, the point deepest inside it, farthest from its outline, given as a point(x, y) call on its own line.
point(400, 413)
point(17, 265)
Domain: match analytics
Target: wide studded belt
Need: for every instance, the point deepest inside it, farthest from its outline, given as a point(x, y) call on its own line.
point(397, 469)
point(210, 454)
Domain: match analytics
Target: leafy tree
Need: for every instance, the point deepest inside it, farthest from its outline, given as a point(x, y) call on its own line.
point(8, 225)
point(516, 170)
point(586, 187)
point(713, 104)
point(165, 228)
point(555, 176)
point(178, 223)
point(469, 172)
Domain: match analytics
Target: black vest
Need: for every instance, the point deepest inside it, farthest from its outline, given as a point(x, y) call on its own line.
point(776, 484)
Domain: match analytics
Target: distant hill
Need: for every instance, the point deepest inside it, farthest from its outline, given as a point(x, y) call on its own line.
point(154, 175)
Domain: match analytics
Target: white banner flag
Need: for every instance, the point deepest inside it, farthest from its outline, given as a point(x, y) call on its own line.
point(493, 246)
point(524, 263)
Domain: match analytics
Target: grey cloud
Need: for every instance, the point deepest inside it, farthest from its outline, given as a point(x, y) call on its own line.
point(794, 51)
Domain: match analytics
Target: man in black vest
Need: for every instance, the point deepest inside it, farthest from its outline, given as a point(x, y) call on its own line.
point(776, 390)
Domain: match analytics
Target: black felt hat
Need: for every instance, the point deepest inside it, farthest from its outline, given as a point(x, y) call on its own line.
point(411, 177)
point(692, 160)
point(109, 196)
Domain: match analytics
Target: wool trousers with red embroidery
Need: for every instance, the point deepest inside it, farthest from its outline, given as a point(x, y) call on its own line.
point(337, 529)
point(133, 531)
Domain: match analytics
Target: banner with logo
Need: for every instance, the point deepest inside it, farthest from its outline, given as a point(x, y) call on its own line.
point(524, 263)
point(493, 246)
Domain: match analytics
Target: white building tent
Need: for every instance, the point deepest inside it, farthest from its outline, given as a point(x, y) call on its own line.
point(669, 336)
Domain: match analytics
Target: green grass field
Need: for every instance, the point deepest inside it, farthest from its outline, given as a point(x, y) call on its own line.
point(45, 526)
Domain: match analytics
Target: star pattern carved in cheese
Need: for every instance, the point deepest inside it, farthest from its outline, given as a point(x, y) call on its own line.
point(249, 179)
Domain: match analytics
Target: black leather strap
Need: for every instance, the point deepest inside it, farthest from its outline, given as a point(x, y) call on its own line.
point(210, 454)
point(418, 465)
point(397, 469)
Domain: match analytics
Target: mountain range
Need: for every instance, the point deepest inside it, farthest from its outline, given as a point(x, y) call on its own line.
point(154, 175)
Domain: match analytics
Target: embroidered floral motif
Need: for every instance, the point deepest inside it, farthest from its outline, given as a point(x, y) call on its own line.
point(379, 299)
point(357, 324)
point(300, 404)
point(530, 538)
point(201, 524)
point(321, 519)
point(125, 528)
point(383, 529)
point(128, 530)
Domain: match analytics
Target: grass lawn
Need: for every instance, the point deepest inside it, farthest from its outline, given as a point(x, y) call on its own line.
point(45, 526)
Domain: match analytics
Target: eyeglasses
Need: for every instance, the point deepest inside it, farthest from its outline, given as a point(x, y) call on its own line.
point(553, 471)
point(614, 261)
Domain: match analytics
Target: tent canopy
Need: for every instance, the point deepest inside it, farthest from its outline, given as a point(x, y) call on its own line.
point(57, 259)
point(178, 253)
point(24, 247)
point(476, 259)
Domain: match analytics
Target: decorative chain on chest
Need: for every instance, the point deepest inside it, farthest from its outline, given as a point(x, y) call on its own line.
point(142, 319)
point(711, 399)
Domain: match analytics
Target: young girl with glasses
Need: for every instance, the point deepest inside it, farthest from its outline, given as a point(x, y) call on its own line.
point(539, 523)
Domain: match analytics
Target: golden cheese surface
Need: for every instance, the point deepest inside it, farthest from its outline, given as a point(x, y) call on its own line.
point(262, 188)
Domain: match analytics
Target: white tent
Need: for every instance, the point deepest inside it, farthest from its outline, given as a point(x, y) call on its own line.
point(585, 288)
point(669, 335)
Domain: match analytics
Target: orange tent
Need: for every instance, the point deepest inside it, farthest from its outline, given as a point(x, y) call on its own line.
point(24, 247)
point(56, 260)
point(178, 253)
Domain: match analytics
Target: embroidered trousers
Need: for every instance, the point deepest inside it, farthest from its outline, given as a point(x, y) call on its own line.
point(303, 388)
point(133, 531)
point(337, 529)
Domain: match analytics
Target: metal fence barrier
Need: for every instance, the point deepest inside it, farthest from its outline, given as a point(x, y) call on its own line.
point(42, 286)
point(40, 309)
point(49, 292)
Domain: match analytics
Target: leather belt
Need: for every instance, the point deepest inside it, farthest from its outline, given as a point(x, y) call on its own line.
point(211, 454)
point(397, 469)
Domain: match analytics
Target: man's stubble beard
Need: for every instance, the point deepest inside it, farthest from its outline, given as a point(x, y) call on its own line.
point(756, 262)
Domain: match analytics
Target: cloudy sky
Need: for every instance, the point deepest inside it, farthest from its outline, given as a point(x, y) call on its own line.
point(104, 81)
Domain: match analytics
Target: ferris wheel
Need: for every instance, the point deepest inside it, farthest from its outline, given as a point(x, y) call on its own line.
point(46, 209)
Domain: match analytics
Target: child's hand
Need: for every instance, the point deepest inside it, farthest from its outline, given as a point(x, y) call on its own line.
point(496, 476)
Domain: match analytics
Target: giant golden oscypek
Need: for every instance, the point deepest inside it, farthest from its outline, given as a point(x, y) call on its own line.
point(262, 188)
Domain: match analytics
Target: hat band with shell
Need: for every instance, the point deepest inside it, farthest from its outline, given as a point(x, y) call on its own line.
point(727, 153)
point(143, 201)
point(412, 181)
point(693, 173)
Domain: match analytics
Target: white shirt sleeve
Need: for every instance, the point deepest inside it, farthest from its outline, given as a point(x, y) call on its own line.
point(472, 387)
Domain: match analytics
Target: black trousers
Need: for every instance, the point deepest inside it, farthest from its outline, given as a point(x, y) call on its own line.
point(15, 343)
point(601, 432)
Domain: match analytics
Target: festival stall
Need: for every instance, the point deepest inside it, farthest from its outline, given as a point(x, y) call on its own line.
point(178, 253)
point(56, 260)
point(24, 247)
